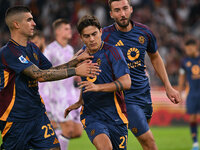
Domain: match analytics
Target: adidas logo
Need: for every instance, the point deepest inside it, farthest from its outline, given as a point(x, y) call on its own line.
point(55, 141)
point(120, 43)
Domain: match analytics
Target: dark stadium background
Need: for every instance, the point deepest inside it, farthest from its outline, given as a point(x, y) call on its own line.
point(172, 22)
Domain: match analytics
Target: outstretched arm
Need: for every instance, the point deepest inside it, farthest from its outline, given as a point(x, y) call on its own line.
point(85, 69)
point(80, 56)
point(74, 106)
point(159, 67)
point(123, 83)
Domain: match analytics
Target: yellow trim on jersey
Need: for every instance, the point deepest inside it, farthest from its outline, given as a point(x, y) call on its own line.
point(42, 100)
point(6, 77)
point(121, 115)
point(102, 43)
point(7, 127)
point(8, 110)
point(83, 123)
point(81, 112)
point(14, 42)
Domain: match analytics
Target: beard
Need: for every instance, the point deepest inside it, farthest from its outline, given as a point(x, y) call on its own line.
point(123, 24)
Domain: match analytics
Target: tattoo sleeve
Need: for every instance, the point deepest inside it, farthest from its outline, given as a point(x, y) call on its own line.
point(120, 84)
point(71, 63)
point(48, 75)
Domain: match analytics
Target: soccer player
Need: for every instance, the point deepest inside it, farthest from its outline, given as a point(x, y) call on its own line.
point(23, 121)
point(103, 113)
point(39, 40)
point(190, 72)
point(58, 95)
point(135, 40)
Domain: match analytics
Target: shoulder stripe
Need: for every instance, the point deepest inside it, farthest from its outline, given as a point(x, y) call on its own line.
point(116, 53)
point(107, 38)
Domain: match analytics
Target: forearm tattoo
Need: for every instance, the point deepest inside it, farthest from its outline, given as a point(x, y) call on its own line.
point(120, 84)
point(50, 74)
point(71, 72)
point(71, 63)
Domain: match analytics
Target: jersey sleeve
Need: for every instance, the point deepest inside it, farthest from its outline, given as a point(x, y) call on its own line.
point(118, 62)
point(15, 60)
point(152, 44)
point(44, 63)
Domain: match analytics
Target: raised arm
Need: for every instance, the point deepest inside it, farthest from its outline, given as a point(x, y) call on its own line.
point(85, 69)
point(80, 56)
point(159, 67)
point(122, 83)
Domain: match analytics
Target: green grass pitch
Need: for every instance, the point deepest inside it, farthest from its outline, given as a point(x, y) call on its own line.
point(167, 138)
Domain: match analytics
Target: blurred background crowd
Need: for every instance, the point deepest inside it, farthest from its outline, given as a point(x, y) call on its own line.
point(172, 22)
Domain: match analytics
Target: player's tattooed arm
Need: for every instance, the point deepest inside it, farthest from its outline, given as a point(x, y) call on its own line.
point(80, 56)
point(85, 70)
point(71, 63)
point(48, 75)
point(123, 83)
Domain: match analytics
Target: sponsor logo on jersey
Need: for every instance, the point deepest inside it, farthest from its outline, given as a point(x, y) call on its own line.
point(55, 141)
point(23, 60)
point(120, 43)
point(133, 54)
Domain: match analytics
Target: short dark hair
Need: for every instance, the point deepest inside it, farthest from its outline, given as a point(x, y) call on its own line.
point(58, 22)
point(110, 2)
point(190, 42)
point(86, 21)
point(13, 11)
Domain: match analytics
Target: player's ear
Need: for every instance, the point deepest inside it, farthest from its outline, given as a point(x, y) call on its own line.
point(16, 25)
point(111, 14)
point(100, 31)
point(131, 9)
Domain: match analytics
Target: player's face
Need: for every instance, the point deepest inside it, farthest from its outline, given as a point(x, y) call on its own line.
point(91, 36)
point(190, 50)
point(65, 31)
point(121, 12)
point(26, 24)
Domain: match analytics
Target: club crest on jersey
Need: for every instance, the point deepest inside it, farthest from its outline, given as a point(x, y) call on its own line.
point(35, 56)
point(141, 39)
point(23, 60)
point(134, 130)
point(99, 62)
point(92, 132)
point(189, 64)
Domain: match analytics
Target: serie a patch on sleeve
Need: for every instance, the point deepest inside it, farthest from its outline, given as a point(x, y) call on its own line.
point(23, 60)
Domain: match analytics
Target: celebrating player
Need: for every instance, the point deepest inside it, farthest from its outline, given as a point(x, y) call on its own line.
point(190, 72)
point(135, 40)
point(103, 113)
point(23, 121)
